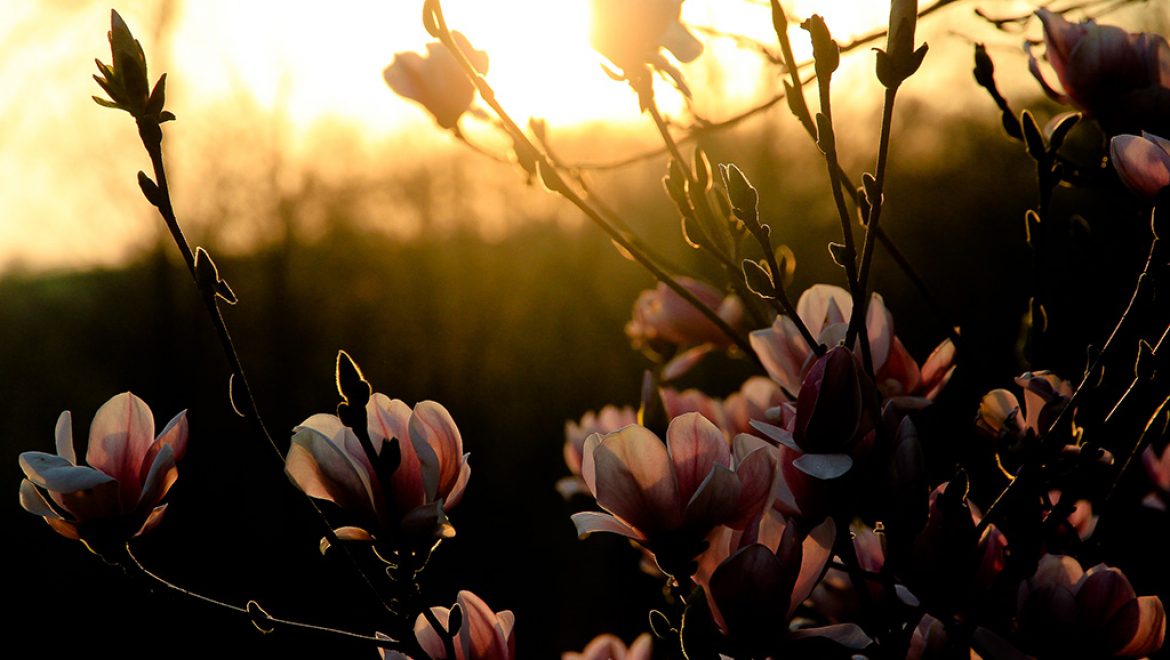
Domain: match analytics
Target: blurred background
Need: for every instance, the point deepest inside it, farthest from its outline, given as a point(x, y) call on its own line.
point(345, 219)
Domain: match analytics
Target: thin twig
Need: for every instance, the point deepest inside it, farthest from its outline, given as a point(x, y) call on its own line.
point(267, 618)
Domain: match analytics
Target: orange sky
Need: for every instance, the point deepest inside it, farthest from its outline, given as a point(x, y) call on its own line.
point(67, 166)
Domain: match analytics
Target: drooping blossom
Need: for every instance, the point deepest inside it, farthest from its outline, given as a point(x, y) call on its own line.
point(825, 310)
point(630, 32)
point(606, 420)
point(1121, 78)
point(1071, 612)
point(662, 322)
point(609, 647)
point(435, 80)
point(1142, 162)
point(669, 497)
point(1158, 470)
point(119, 494)
point(326, 461)
point(482, 635)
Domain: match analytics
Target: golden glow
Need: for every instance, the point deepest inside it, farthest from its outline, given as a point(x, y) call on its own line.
point(281, 69)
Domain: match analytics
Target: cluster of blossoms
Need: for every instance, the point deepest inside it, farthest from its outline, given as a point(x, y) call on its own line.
point(799, 507)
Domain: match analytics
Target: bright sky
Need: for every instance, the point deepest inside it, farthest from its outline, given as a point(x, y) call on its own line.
point(67, 166)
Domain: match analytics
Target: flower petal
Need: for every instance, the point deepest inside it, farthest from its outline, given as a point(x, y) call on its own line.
point(817, 549)
point(320, 467)
point(159, 479)
point(390, 418)
point(696, 446)
point(456, 494)
point(479, 636)
point(782, 351)
point(589, 522)
point(635, 480)
point(64, 437)
point(33, 501)
point(714, 501)
point(823, 466)
point(1143, 165)
point(1151, 629)
point(119, 438)
point(431, 423)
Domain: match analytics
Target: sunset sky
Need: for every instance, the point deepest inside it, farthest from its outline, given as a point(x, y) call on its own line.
point(68, 166)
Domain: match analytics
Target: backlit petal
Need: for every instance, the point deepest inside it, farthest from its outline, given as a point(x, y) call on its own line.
point(696, 446)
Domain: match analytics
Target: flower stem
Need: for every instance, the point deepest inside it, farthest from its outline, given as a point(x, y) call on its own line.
point(266, 618)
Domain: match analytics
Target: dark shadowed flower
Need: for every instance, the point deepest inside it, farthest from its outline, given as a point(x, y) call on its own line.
point(326, 461)
point(669, 497)
point(1095, 613)
point(755, 579)
point(482, 635)
point(1121, 78)
point(435, 80)
point(1142, 162)
point(609, 647)
point(117, 496)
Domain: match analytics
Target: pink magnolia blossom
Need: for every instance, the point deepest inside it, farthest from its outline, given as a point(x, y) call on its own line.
point(435, 80)
point(825, 310)
point(1142, 162)
point(1121, 78)
point(733, 415)
point(117, 496)
point(663, 322)
point(609, 647)
point(669, 497)
point(483, 634)
point(327, 462)
point(606, 420)
point(1095, 613)
point(630, 32)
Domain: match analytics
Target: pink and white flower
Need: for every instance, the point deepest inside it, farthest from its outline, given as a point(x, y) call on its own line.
point(825, 311)
point(668, 497)
point(483, 634)
point(326, 461)
point(119, 494)
point(606, 420)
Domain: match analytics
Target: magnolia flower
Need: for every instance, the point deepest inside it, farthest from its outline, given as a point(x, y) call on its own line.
point(825, 311)
point(754, 580)
point(609, 647)
point(326, 461)
point(630, 32)
point(606, 420)
point(482, 635)
point(733, 415)
point(118, 495)
point(435, 80)
point(663, 321)
point(1142, 162)
point(1095, 613)
point(1122, 79)
point(669, 497)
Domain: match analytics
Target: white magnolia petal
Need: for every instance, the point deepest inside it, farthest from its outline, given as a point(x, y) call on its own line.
point(589, 522)
point(64, 437)
point(57, 474)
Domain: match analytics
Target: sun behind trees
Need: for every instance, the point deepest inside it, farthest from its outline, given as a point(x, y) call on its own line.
point(806, 513)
